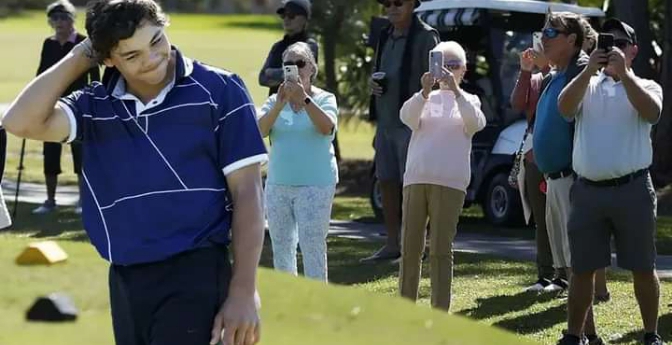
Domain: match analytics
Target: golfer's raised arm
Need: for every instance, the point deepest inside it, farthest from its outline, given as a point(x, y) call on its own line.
point(34, 113)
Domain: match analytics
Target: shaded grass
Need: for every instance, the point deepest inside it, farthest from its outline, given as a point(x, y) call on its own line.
point(486, 288)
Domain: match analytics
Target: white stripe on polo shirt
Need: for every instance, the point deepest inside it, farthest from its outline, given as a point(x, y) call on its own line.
point(100, 212)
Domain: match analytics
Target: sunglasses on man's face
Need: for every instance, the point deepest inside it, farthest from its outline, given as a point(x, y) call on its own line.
point(297, 63)
point(288, 15)
point(552, 32)
point(622, 43)
point(396, 3)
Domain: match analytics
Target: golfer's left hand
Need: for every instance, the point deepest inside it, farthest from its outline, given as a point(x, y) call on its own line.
point(237, 322)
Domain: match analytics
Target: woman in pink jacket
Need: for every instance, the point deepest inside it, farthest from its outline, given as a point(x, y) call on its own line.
point(437, 174)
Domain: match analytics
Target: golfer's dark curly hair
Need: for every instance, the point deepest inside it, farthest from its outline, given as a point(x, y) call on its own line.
point(110, 21)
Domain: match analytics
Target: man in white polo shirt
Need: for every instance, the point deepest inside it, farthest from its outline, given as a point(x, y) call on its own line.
point(613, 195)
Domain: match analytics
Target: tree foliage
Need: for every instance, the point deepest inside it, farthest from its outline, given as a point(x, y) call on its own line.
point(342, 26)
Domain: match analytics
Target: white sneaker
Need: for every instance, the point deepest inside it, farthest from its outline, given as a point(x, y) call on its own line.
point(540, 285)
point(47, 207)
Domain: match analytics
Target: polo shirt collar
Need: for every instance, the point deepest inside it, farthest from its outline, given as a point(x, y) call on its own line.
point(604, 77)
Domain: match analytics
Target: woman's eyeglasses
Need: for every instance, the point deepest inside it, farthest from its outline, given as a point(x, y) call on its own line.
point(289, 16)
point(297, 63)
point(552, 32)
point(453, 65)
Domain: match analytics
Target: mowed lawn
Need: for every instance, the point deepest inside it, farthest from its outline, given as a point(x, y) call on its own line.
point(361, 309)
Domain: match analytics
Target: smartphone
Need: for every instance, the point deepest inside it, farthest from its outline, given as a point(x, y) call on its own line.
point(436, 64)
point(537, 45)
point(605, 41)
point(291, 73)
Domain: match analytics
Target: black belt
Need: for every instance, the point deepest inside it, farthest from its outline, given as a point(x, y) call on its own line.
point(615, 182)
point(560, 174)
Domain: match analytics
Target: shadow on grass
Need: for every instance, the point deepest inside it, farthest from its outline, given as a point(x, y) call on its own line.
point(499, 305)
point(469, 264)
point(536, 322)
point(664, 329)
point(62, 224)
point(344, 265)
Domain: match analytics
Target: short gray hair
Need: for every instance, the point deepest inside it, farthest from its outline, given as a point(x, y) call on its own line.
point(303, 49)
point(454, 48)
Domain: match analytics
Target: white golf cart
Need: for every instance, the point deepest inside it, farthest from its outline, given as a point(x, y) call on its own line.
point(493, 32)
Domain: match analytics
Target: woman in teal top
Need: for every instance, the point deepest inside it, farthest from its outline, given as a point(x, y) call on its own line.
point(301, 121)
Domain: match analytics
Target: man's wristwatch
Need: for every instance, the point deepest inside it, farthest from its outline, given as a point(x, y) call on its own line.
point(307, 100)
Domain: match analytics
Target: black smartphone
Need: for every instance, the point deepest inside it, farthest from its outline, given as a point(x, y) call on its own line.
point(605, 41)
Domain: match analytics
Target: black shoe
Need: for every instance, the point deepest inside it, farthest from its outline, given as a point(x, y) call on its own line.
point(557, 285)
point(653, 339)
point(594, 340)
point(569, 339)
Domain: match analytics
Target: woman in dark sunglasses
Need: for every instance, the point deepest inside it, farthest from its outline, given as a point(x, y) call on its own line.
point(300, 121)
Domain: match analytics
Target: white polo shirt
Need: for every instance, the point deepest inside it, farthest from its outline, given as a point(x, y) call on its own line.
point(611, 139)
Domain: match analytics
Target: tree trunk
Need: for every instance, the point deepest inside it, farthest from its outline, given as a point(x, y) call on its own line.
point(662, 139)
point(329, 42)
point(636, 14)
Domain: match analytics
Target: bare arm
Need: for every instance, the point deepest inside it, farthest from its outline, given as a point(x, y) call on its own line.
point(571, 97)
point(238, 317)
point(247, 227)
point(267, 120)
point(34, 113)
point(647, 103)
point(322, 122)
point(521, 91)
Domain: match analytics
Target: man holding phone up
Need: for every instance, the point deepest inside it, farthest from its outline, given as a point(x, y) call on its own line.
point(613, 195)
point(400, 61)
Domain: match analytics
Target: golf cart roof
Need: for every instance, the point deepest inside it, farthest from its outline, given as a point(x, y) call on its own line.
point(524, 6)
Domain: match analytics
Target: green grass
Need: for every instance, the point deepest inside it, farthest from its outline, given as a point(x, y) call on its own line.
point(486, 289)
point(236, 43)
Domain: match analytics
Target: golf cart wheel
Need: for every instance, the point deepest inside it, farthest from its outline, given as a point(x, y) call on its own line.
point(376, 198)
point(502, 204)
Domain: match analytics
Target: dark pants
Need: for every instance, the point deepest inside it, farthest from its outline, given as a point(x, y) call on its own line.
point(537, 199)
point(626, 212)
point(52, 157)
point(171, 302)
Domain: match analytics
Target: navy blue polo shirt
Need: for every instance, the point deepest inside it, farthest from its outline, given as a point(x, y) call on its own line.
point(154, 175)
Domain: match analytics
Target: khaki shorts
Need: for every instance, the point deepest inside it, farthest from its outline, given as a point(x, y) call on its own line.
point(391, 146)
point(557, 215)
